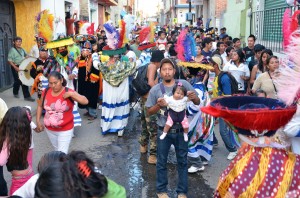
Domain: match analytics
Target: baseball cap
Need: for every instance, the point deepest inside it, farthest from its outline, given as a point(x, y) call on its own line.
point(166, 60)
point(216, 59)
point(161, 47)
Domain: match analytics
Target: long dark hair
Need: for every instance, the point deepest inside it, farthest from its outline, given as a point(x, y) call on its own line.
point(58, 76)
point(260, 62)
point(15, 130)
point(67, 180)
point(241, 55)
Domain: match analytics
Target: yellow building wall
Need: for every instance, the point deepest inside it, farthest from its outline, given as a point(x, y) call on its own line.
point(25, 11)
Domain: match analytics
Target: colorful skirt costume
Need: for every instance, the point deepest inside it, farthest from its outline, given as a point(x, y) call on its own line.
point(263, 166)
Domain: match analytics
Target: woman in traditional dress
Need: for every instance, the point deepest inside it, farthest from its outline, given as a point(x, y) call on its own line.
point(264, 167)
point(115, 71)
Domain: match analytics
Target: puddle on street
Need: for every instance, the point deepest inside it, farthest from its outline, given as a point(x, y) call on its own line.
point(123, 162)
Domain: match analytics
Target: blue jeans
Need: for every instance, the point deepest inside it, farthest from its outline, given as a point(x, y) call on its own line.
point(195, 161)
point(92, 112)
point(225, 136)
point(181, 149)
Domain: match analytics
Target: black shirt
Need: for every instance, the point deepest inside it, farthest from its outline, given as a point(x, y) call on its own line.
point(252, 62)
point(248, 52)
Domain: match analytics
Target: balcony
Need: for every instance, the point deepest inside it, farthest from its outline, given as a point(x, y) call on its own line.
point(108, 2)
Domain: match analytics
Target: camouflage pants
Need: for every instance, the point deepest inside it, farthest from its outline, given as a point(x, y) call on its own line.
point(149, 129)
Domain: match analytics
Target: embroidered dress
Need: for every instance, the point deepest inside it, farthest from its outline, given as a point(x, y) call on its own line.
point(115, 106)
point(264, 167)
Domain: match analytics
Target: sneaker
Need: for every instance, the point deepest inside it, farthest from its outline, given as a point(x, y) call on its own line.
point(232, 155)
point(143, 149)
point(152, 159)
point(30, 99)
point(205, 163)
point(162, 195)
point(181, 196)
point(194, 169)
point(120, 133)
point(17, 96)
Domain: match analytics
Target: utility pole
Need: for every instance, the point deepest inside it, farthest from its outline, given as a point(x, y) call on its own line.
point(190, 12)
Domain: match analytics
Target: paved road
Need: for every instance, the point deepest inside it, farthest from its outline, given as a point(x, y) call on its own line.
point(120, 159)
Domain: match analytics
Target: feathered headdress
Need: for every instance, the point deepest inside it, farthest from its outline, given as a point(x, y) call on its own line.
point(287, 81)
point(45, 25)
point(147, 37)
point(286, 27)
point(115, 39)
point(186, 51)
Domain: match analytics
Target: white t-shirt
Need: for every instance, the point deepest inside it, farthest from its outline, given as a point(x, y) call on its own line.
point(224, 55)
point(131, 54)
point(176, 105)
point(237, 72)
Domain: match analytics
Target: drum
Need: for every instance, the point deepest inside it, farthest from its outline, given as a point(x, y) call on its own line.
point(24, 71)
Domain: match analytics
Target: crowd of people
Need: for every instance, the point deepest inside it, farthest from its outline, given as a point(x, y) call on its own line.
point(184, 69)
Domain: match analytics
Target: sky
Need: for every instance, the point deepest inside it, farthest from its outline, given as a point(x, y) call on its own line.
point(149, 7)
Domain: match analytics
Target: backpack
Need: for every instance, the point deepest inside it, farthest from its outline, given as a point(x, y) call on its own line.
point(233, 83)
point(43, 101)
point(140, 81)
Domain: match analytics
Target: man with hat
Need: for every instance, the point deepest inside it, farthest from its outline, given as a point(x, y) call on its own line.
point(135, 45)
point(88, 79)
point(222, 89)
point(149, 130)
point(15, 57)
point(43, 66)
point(157, 105)
point(145, 45)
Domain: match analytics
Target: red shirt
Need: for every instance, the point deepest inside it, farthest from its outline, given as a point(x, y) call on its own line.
point(59, 111)
point(70, 26)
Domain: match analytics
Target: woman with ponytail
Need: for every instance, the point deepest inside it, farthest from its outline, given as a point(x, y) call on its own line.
point(76, 178)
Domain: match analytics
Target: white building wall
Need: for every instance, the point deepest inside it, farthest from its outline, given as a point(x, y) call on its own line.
point(57, 8)
point(116, 11)
point(94, 13)
point(181, 15)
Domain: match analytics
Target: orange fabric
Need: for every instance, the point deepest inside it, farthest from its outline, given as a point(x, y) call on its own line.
point(35, 83)
point(100, 84)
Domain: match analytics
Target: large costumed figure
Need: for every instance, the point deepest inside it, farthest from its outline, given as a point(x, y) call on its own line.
point(115, 71)
point(201, 125)
point(44, 64)
point(264, 167)
point(89, 79)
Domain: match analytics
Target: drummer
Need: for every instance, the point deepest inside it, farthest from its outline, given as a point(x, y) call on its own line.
point(44, 60)
point(15, 56)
